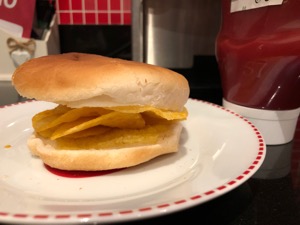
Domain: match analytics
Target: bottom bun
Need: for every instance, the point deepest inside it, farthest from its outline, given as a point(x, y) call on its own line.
point(97, 159)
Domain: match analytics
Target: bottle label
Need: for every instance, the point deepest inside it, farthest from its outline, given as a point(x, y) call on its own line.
point(241, 5)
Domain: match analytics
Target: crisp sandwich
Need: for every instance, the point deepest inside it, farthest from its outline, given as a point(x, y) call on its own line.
point(111, 113)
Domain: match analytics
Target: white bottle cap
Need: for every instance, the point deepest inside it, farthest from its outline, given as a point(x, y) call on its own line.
point(276, 126)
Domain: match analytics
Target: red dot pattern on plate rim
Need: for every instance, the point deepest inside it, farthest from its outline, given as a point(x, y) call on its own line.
point(239, 179)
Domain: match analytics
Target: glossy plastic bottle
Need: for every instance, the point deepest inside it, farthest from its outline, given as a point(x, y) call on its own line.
point(258, 53)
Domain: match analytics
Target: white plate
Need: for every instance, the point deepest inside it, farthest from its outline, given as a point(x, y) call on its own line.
point(219, 150)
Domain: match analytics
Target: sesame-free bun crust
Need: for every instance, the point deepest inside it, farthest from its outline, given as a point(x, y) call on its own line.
point(87, 80)
point(77, 80)
point(105, 159)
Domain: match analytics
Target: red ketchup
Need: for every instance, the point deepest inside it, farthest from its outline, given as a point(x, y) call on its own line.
point(79, 174)
point(258, 52)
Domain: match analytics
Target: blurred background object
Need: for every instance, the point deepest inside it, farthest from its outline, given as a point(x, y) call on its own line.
point(38, 19)
point(258, 56)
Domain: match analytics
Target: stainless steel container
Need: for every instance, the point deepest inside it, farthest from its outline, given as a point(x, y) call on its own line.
point(162, 32)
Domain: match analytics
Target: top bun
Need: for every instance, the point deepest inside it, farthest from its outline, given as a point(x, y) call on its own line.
point(78, 80)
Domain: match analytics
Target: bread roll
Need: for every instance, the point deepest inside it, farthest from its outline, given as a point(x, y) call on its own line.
point(78, 80)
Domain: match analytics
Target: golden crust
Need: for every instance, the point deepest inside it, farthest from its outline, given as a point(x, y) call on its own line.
point(100, 81)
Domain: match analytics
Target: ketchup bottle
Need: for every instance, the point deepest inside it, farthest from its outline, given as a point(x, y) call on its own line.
point(258, 53)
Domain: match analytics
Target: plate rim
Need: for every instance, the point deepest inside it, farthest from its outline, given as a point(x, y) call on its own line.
point(138, 213)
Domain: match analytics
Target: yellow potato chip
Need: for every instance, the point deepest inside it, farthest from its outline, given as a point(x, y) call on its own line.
point(46, 133)
point(39, 125)
point(123, 120)
point(73, 123)
point(116, 138)
point(45, 117)
point(74, 114)
point(98, 130)
point(113, 119)
point(168, 115)
point(71, 127)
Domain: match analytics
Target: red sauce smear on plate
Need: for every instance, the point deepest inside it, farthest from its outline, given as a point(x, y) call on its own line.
point(79, 174)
